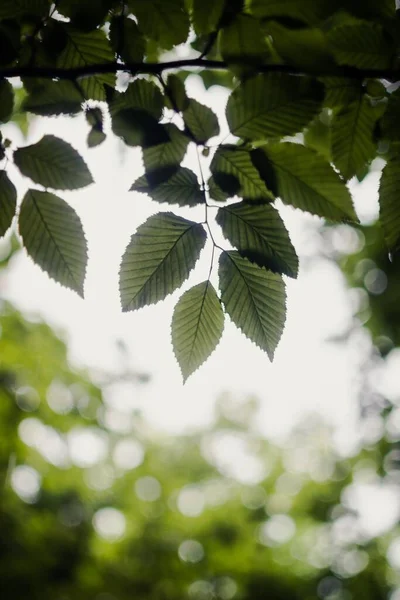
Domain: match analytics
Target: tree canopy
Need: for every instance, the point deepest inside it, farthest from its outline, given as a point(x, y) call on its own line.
point(314, 100)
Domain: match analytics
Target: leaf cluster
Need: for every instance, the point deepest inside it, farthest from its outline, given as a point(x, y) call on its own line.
point(313, 102)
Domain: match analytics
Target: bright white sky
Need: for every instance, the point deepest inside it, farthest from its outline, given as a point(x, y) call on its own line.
point(308, 373)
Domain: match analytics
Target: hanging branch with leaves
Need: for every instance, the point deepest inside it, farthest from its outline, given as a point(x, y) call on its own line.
point(313, 101)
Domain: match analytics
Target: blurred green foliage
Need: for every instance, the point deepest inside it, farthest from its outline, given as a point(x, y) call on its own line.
point(95, 504)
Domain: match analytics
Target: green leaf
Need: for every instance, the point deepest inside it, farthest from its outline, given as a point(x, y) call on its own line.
point(259, 234)
point(139, 128)
point(255, 300)
point(126, 39)
point(176, 87)
point(197, 326)
point(215, 192)
point(181, 188)
point(95, 137)
point(85, 49)
point(243, 40)
point(140, 95)
point(51, 98)
point(164, 21)
point(363, 45)
point(339, 91)
point(235, 162)
point(158, 259)
point(391, 118)
point(308, 11)
point(53, 237)
point(353, 144)
point(305, 48)
point(389, 205)
point(16, 8)
point(169, 154)
point(53, 163)
point(206, 15)
point(307, 181)
point(6, 100)
point(273, 105)
point(85, 14)
point(201, 121)
point(8, 202)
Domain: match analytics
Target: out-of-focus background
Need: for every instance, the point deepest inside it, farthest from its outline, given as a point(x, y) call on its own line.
point(251, 481)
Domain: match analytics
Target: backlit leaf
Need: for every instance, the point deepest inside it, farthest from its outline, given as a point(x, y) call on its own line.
point(53, 163)
point(158, 259)
point(259, 234)
point(197, 326)
point(389, 205)
point(164, 21)
point(53, 237)
point(8, 202)
point(255, 300)
point(181, 188)
point(201, 121)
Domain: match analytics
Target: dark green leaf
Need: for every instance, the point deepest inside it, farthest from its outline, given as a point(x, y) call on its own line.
point(243, 40)
point(206, 15)
point(389, 205)
point(181, 188)
point(255, 300)
point(259, 234)
point(235, 174)
point(170, 154)
point(164, 21)
point(363, 45)
point(8, 202)
point(197, 326)
point(215, 192)
point(308, 11)
point(177, 92)
point(391, 118)
point(307, 181)
point(158, 259)
point(95, 137)
point(53, 163)
point(84, 49)
point(139, 128)
point(53, 236)
point(17, 8)
point(273, 105)
point(201, 121)
point(140, 95)
point(50, 98)
point(339, 91)
point(6, 100)
point(353, 144)
point(85, 14)
point(126, 39)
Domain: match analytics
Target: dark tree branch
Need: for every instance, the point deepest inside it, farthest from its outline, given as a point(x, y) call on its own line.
point(194, 63)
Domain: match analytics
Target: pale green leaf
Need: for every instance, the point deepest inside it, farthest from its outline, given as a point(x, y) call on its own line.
point(159, 259)
point(84, 49)
point(181, 188)
point(53, 163)
point(255, 300)
point(353, 144)
point(197, 326)
point(201, 121)
point(389, 205)
point(53, 237)
point(164, 21)
point(259, 234)
point(307, 181)
point(273, 105)
point(236, 163)
point(8, 202)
